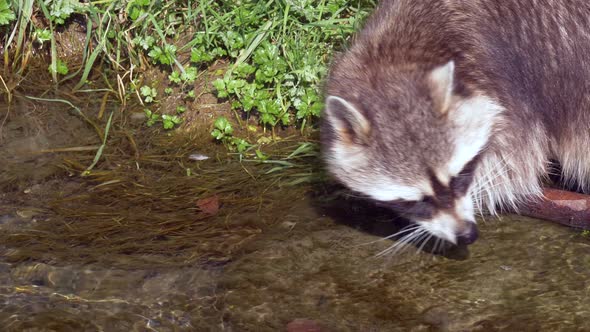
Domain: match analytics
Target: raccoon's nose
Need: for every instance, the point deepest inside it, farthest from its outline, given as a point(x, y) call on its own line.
point(469, 235)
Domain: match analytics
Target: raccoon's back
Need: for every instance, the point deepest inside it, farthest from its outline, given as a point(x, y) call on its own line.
point(534, 54)
point(531, 53)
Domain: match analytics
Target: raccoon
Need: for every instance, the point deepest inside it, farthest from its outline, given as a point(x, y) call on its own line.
point(440, 109)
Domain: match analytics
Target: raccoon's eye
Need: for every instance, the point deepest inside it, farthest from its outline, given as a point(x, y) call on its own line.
point(461, 183)
point(423, 209)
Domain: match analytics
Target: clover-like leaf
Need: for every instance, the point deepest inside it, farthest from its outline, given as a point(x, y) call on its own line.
point(223, 125)
point(6, 13)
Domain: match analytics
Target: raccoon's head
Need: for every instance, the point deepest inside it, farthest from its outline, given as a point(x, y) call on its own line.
point(408, 140)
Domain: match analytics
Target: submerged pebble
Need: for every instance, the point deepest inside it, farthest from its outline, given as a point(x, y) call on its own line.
point(198, 157)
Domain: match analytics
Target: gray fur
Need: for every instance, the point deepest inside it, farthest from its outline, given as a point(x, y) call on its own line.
point(529, 58)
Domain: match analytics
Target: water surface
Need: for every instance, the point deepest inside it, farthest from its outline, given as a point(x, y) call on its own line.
point(127, 248)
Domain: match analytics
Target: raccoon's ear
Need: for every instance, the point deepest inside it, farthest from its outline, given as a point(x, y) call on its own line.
point(348, 122)
point(440, 80)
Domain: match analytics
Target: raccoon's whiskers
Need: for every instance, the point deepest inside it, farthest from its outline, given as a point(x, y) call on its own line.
point(485, 188)
point(405, 241)
point(403, 230)
point(427, 238)
point(492, 173)
point(406, 229)
point(437, 245)
point(491, 182)
point(416, 241)
point(486, 182)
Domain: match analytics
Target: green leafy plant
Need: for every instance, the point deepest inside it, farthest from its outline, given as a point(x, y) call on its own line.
point(42, 35)
point(200, 55)
point(149, 94)
point(278, 55)
point(137, 8)
point(60, 67)
point(174, 77)
point(270, 55)
point(6, 13)
point(169, 121)
point(190, 94)
point(186, 78)
point(152, 117)
point(163, 55)
point(60, 10)
point(189, 76)
point(145, 43)
point(223, 131)
point(239, 144)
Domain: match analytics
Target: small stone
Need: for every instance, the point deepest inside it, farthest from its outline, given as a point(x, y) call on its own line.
point(436, 317)
point(209, 205)
point(198, 157)
point(28, 213)
point(288, 224)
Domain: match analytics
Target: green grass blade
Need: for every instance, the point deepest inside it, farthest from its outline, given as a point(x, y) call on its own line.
point(101, 148)
point(84, 53)
point(25, 12)
point(245, 54)
point(89, 64)
point(53, 64)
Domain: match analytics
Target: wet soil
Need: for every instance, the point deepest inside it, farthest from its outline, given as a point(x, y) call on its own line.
point(127, 247)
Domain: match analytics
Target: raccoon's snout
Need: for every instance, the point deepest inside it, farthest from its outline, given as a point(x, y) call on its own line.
point(469, 235)
point(457, 227)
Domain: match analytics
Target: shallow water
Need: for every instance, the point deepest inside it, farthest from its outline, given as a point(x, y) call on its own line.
point(291, 259)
